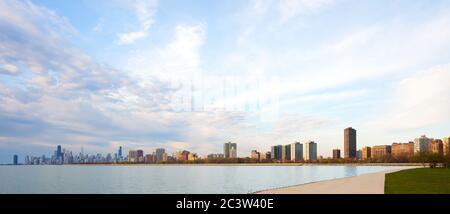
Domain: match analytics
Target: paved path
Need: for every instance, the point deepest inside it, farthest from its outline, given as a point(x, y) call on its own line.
point(371, 183)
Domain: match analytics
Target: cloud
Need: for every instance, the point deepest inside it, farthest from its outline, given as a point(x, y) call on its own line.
point(8, 69)
point(420, 100)
point(145, 11)
point(290, 9)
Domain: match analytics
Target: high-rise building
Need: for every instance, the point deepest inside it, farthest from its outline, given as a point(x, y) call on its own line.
point(446, 145)
point(15, 159)
point(230, 150)
point(366, 153)
point(159, 153)
point(403, 150)
point(349, 143)
point(140, 156)
point(359, 154)
point(59, 155)
point(380, 151)
point(421, 144)
point(132, 156)
point(336, 153)
point(120, 153)
point(436, 147)
point(276, 152)
point(296, 152)
point(310, 151)
point(286, 152)
point(149, 158)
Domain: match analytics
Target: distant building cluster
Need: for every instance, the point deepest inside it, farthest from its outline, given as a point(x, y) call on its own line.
point(294, 152)
point(399, 151)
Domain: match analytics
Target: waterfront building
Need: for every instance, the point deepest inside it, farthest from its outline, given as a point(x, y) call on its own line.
point(366, 153)
point(255, 155)
point(380, 151)
point(296, 152)
point(403, 150)
point(132, 156)
point(421, 144)
point(446, 145)
point(276, 152)
point(336, 153)
point(140, 156)
point(436, 147)
point(15, 159)
point(230, 150)
point(159, 153)
point(286, 153)
point(149, 158)
point(310, 151)
point(349, 143)
point(358, 154)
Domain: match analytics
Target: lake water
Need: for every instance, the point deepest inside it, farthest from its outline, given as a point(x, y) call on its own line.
point(167, 178)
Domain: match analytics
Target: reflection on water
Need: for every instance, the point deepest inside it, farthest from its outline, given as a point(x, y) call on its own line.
point(166, 179)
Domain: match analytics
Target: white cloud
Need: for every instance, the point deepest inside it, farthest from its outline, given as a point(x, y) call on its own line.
point(289, 9)
point(145, 11)
point(419, 101)
point(8, 68)
point(131, 37)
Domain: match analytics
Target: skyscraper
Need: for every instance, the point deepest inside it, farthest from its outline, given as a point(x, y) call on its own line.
point(276, 152)
point(336, 153)
point(296, 151)
point(120, 153)
point(349, 143)
point(132, 156)
point(310, 151)
point(159, 153)
point(15, 160)
point(286, 153)
point(230, 150)
point(58, 152)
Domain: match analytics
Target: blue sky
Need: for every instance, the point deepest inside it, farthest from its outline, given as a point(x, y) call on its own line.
point(192, 75)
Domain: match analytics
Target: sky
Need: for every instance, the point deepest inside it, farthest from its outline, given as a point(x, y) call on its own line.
point(192, 75)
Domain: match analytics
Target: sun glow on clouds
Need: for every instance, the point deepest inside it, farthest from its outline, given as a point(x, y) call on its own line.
point(185, 84)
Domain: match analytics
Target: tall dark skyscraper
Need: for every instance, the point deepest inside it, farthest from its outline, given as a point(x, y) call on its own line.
point(59, 152)
point(120, 152)
point(15, 160)
point(276, 152)
point(349, 143)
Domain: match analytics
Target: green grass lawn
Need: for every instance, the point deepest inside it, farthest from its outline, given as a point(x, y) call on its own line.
point(418, 181)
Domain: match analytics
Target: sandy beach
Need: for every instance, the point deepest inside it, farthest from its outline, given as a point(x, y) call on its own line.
point(371, 183)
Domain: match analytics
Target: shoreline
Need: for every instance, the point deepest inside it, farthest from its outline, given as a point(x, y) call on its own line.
point(239, 164)
point(369, 183)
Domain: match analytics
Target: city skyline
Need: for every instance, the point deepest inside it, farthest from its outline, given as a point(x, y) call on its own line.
point(171, 74)
point(293, 152)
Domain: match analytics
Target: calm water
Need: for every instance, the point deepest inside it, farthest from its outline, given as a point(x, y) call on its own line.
point(166, 179)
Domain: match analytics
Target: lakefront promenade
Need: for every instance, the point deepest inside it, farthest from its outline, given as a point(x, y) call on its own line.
point(371, 183)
